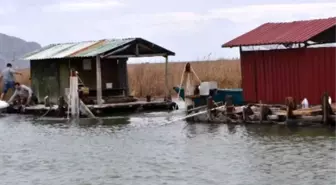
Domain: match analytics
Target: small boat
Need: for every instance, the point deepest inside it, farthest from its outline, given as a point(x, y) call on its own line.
point(3, 104)
point(218, 96)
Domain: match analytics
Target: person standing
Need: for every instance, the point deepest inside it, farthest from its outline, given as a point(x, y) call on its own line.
point(8, 79)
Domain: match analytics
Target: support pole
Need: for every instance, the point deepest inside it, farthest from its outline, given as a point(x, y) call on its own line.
point(99, 81)
point(326, 109)
point(166, 78)
point(74, 98)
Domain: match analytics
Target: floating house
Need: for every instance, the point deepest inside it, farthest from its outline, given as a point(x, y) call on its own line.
point(101, 66)
point(295, 59)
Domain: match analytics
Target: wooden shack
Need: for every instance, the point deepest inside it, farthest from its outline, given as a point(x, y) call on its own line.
point(288, 59)
point(101, 66)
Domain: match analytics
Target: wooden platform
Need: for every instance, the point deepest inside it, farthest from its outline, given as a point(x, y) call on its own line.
point(315, 110)
point(312, 116)
point(99, 110)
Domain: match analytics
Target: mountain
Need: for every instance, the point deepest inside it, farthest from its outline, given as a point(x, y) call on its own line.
point(13, 47)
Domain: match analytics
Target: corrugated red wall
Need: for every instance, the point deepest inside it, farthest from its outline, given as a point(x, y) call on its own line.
point(271, 76)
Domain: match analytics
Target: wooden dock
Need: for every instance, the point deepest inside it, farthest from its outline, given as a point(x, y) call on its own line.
point(97, 110)
point(289, 114)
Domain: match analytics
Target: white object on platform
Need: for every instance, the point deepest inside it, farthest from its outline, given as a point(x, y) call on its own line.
point(3, 104)
point(329, 100)
point(305, 103)
point(204, 88)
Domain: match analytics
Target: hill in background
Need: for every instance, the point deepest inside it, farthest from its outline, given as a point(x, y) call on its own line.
point(13, 47)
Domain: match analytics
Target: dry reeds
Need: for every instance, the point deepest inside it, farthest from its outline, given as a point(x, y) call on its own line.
point(149, 78)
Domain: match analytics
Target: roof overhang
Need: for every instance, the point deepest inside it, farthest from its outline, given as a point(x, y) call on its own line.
point(138, 48)
point(320, 31)
point(117, 48)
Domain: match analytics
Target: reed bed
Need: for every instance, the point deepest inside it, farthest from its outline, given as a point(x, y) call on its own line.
point(149, 78)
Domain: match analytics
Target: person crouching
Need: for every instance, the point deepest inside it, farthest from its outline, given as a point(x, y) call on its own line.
point(23, 95)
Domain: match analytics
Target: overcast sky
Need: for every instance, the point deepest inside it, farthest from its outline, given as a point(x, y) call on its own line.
point(193, 29)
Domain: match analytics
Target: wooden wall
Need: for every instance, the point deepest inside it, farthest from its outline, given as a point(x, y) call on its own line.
point(45, 79)
point(51, 77)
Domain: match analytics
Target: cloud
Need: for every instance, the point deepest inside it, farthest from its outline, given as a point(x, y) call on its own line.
point(6, 9)
point(179, 31)
point(77, 6)
point(247, 16)
point(248, 13)
point(275, 12)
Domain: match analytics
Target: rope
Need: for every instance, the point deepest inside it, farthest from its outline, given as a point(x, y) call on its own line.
point(182, 78)
point(192, 115)
point(44, 113)
point(192, 70)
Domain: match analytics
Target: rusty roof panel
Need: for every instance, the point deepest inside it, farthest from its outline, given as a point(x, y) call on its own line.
point(73, 50)
point(48, 51)
point(281, 33)
point(102, 46)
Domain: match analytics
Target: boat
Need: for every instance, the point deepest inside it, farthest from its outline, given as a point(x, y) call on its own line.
point(3, 104)
point(218, 96)
point(195, 92)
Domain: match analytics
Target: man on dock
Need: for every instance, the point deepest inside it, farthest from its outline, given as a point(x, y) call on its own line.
point(8, 79)
point(23, 95)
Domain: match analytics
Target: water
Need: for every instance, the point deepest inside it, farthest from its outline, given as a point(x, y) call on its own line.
point(137, 150)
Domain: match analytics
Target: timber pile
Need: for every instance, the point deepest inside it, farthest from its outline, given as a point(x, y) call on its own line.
point(267, 114)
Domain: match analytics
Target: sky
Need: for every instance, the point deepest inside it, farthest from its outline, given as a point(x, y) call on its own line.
point(193, 29)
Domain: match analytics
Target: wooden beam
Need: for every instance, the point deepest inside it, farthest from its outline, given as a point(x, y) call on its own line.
point(144, 46)
point(140, 55)
point(99, 81)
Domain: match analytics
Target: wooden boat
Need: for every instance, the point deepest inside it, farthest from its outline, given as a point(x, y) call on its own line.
point(217, 94)
point(265, 114)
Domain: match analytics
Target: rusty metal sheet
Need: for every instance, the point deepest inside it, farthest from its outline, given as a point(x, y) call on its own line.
point(283, 32)
point(271, 76)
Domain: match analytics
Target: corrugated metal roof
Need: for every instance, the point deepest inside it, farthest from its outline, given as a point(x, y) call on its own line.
point(79, 49)
point(285, 32)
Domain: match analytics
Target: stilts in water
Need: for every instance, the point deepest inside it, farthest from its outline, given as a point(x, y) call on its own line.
point(327, 110)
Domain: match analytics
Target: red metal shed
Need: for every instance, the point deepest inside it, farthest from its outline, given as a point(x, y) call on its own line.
point(299, 69)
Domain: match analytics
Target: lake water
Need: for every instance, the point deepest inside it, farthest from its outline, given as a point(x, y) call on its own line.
point(138, 150)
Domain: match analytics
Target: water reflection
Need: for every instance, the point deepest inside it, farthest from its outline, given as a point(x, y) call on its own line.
point(256, 131)
point(213, 128)
point(232, 128)
point(282, 130)
point(124, 150)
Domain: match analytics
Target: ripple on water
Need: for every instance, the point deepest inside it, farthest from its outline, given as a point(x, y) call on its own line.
point(136, 150)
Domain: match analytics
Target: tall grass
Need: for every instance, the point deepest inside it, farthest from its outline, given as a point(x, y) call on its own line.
point(149, 78)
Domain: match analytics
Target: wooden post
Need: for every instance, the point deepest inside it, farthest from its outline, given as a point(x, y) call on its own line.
point(74, 99)
point(166, 78)
point(210, 106)
point(291, 106)
point(137, 50)
point(326, 109)
point(99, 81)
